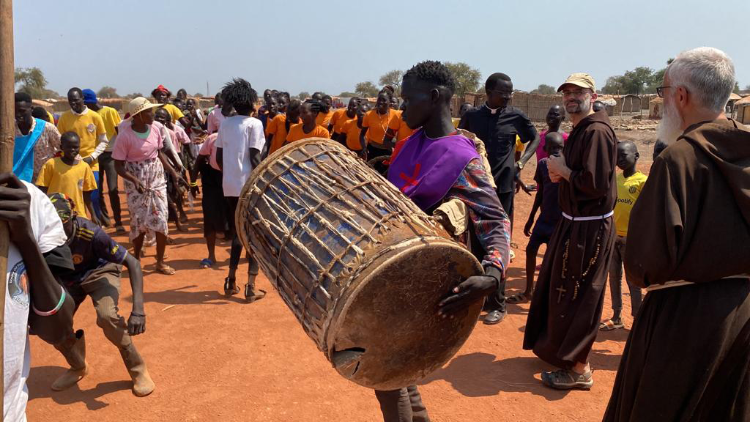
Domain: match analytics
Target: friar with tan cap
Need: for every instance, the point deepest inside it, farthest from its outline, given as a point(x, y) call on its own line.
point(567, 304)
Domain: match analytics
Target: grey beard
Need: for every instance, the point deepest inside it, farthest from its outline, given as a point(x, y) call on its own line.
point(582, 108)
point(670, 128)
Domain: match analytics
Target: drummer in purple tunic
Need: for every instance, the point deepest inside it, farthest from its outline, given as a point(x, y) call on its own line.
point(434, 165)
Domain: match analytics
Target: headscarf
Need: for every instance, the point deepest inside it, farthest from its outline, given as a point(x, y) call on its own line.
point(63, 205)
point(161, 88)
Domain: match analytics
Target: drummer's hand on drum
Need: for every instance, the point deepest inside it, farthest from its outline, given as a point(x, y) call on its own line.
point(468, 292)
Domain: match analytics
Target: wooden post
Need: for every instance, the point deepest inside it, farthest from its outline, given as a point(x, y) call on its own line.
point(7, 137)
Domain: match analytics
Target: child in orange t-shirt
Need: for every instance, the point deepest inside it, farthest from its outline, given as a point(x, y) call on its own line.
point(350, 132)
point(278, 129)
point(375, 124)
point(308, 113)
point(325, 114)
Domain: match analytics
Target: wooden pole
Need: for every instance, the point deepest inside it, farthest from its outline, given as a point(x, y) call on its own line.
point(7, 137)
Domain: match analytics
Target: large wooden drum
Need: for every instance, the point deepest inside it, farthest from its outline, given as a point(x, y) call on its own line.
point(359, 264)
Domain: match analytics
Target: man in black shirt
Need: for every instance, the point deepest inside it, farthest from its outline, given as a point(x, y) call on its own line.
point(497, 124)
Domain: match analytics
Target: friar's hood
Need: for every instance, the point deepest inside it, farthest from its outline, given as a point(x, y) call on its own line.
point(727, 144)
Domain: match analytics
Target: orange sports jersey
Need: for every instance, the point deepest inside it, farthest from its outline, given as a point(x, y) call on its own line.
point(398, 126)
point(352, 131)
point(296, 133)
point(324, 119)
point(338, 119)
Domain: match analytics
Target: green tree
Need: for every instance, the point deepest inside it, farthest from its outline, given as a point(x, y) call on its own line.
point(302, 96)
point(657, 79)
point(347, 94)
point(107, 92)
point(736, 89)
point(134, 95)
point(467, 78)
point(33, 82)
point(543, 89)
point(366, 89)
point(198, 95)
point(614, 85)
point(637, 80)
point(393, 78)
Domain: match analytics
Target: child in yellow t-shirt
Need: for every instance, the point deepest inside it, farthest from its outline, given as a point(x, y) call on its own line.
point(70, 176)
point(629, 186)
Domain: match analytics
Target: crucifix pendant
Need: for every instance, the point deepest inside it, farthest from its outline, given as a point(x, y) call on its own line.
point(561, 291)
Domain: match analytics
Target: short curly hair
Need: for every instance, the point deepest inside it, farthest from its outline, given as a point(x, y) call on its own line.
point(433, 72)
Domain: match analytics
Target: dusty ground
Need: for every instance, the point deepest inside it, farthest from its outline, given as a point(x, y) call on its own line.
point(219, 359)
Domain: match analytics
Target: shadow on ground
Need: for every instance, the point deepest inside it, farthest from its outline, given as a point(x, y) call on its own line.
point(44, 376)
point(480, 375)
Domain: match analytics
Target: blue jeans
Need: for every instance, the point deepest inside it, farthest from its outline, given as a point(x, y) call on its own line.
point(95, 198)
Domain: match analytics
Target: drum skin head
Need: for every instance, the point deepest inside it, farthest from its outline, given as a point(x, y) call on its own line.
point(389, 334)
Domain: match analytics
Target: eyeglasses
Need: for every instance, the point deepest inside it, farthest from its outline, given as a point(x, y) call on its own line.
point(576, 93)
point(660, 90)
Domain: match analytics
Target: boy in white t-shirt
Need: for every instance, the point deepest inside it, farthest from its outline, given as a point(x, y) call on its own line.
point(37, 244)
point(239, 148)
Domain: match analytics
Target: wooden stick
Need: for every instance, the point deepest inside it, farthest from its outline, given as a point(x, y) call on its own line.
point(7, 138)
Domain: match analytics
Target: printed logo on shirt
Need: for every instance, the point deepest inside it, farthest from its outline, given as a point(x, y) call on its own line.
point(18, 285)
point(91, 127)
point(77, 258)
point(114, 250)
point(633, 189)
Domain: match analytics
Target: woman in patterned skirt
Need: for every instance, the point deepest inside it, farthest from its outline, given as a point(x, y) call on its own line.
point(142, 159)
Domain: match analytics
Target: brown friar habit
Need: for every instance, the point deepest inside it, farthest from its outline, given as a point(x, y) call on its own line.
point(567, 304)
point(688, 355)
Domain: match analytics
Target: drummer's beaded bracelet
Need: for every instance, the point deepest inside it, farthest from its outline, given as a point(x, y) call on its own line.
point(194, 184)
point(54, 311)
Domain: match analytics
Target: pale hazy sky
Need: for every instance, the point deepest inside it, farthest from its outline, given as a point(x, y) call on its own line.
point(329, 46)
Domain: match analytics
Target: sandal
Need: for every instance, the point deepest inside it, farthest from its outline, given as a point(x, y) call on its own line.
point(206, 263)
point(516, 299)
point(166, 269)
point(566, 379)
point(230, 288)
point(611, 325)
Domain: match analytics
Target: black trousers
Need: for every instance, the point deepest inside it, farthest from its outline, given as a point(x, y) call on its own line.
point(107, 172)
point(403, 405)
point(496, 301)
point(236, 251)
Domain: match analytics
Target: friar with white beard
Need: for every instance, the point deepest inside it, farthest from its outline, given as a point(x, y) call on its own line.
point(688, 355)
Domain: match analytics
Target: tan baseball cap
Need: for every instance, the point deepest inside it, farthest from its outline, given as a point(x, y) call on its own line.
point(584, 80)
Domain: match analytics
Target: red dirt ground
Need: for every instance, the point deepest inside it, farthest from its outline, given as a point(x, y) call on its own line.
point(219, 359)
